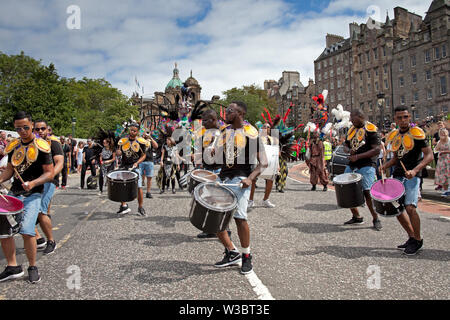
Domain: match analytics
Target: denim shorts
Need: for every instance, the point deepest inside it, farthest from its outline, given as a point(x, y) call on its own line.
point(368, 173)
point(47, 195)
point(30, 213)
point(243, 195)
point(411, 190)
point(147, 167)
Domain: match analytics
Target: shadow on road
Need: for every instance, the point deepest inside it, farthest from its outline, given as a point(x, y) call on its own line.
point(166, 222)
point(163, 272)
point(318, 207)
point(161, 239)
point(314, 228)
point(360, 252)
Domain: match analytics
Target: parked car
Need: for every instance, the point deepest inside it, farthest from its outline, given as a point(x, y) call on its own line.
point(339, 161)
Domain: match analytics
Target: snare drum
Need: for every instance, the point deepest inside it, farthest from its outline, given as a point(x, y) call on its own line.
point(388, 197)
point(349, 190)
point(10, 216)
point(212, 207)
point(122, 185)
point(198, 176)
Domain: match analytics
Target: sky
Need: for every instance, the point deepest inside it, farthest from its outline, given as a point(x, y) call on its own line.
point(226, 43)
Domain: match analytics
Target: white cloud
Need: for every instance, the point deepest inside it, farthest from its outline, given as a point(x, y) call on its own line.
point(243, 41)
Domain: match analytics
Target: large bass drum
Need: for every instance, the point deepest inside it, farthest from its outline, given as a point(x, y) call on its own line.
point(122, 185)
point(11, 212)
point(388, 197)
point(349, 190)
point(198, 176)
point(212, 207)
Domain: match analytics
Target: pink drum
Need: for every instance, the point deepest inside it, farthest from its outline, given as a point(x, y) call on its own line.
point(388, 197)
point(10, 216)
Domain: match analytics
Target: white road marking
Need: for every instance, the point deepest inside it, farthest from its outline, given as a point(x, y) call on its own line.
point(258, 287)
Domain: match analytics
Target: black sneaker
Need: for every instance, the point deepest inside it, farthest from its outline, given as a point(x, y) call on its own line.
point(247, 266)
point(11, 272)
point(173, 191)
point(51, 246)
point(325, 188)
point(40, 243)
point(204, 235)
point(313, 188)
point(354, 220)
point(161, 192)
point(33, 275)
point(123, 210)
point(403, 246)
point(148, 195)
point(230, 258)
point(377, 224)
point(413, 247)
point(141, 211)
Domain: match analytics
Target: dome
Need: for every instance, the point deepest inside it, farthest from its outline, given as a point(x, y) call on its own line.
point(191, 81)
point(175, 81)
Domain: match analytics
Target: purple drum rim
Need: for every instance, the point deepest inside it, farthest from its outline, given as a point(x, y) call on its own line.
point(13, 206)
point(390, 190)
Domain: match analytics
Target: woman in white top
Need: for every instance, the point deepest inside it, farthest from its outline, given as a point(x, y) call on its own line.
point(80, 156)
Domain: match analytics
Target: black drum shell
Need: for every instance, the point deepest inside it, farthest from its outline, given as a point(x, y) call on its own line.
point(207, 220)
point(122, 191)
point(6, 229)
point(349, 195)
point(192, 184)
point(388, 209)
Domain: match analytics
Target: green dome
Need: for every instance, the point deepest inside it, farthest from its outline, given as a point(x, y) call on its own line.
point(175, 82)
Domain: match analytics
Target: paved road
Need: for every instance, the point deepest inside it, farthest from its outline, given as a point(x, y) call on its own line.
point(301, 251)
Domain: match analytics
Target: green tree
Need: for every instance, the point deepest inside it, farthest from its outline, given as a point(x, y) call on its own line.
point(255, 98)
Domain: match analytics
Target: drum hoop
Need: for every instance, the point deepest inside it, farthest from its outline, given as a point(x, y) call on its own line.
point(136, 176)
point(210, 207)
point(359, 178)
point(201, 179)
point(390, 200)
point(12, 212)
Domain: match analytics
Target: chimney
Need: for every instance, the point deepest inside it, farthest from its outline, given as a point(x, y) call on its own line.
point(332, 39)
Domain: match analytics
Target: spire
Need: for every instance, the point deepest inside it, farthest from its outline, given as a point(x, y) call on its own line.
point(388, 21)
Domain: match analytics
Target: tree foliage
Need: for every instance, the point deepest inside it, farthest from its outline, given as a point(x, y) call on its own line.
point(256, 100)
point(26, 84)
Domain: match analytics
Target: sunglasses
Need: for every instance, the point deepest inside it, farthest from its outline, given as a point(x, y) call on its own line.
point(24, 128)
point(40, 129)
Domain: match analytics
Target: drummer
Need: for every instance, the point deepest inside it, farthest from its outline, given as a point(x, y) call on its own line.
point(41, 128)
point(408, 144)
point(364, 145)
point(32, 159)
point(132, 149)
point(239, 157)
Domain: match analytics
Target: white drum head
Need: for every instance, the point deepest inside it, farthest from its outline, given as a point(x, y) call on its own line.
point(347, 178)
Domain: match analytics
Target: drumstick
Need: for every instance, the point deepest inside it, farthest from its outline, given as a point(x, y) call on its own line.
point(18, 176)
point(1, 185)
point(403, 166)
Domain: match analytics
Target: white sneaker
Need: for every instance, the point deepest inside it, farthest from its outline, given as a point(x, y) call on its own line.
point(268, 204)
point(250, 203)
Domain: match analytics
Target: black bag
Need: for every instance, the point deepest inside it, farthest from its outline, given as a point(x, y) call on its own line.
point(92, 182)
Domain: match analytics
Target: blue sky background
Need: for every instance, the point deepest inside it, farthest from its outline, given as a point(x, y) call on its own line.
point(225, 43)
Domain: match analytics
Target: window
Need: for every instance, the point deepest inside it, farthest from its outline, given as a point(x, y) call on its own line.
point(384, 51)
point(375, 53)
point(385, 69)
point(331, 73)
point(332, 85)
point(325, 75)
point(376, 87)
point(444, 51)
point(402, 100)
point(387, 102)
point(413, 61)
point(339, 83)
point(429, 94)
point(361, 91)
point(361, 105)
point(428, 74)
point(400, 65)
point(414, 78)
point(360, 76)
point(416, 96)
point(386, 84)
point(443, 83)
point(318, 65)
point(368, 88)
point(324, 63)
point(376, 71)
point(320, 77)
point(368, 56)
point(368, 74)
point(437, 53)
point(370, 106)
point(427, 56)
point(401, 81)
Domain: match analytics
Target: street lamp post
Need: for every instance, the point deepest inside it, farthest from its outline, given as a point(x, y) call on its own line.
point(381, 101)
point(74, 122)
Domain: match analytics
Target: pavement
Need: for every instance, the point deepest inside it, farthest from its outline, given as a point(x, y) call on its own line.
point(301, 251)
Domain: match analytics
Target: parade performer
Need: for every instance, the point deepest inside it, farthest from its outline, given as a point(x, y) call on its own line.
point(239, 145)
point(316, 163)
point(146, 167)
point(30, 161)
point(408, 144)
point(363, 144)
point(105, 150)
point(44, 218)
point(132, 149)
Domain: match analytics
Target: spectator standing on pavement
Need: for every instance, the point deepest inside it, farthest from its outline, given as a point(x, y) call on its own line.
point(147, 165)
point(435, 141)
point(88, 161)
point(327, 152)
point(67, 162)
point(73, 153)
point(79, 158)
point(442, 174)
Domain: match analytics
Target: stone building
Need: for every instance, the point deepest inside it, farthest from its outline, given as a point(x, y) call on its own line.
point(289, 90)
point(395, 59)
point(149, 107)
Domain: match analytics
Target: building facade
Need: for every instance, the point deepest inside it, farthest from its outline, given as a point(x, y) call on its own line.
point(404, 61)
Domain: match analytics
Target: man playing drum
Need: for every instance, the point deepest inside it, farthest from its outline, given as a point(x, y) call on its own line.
point(363, 144)
point(132, 149)
point(240, 145)
point(408, 143)
point(30, 161)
